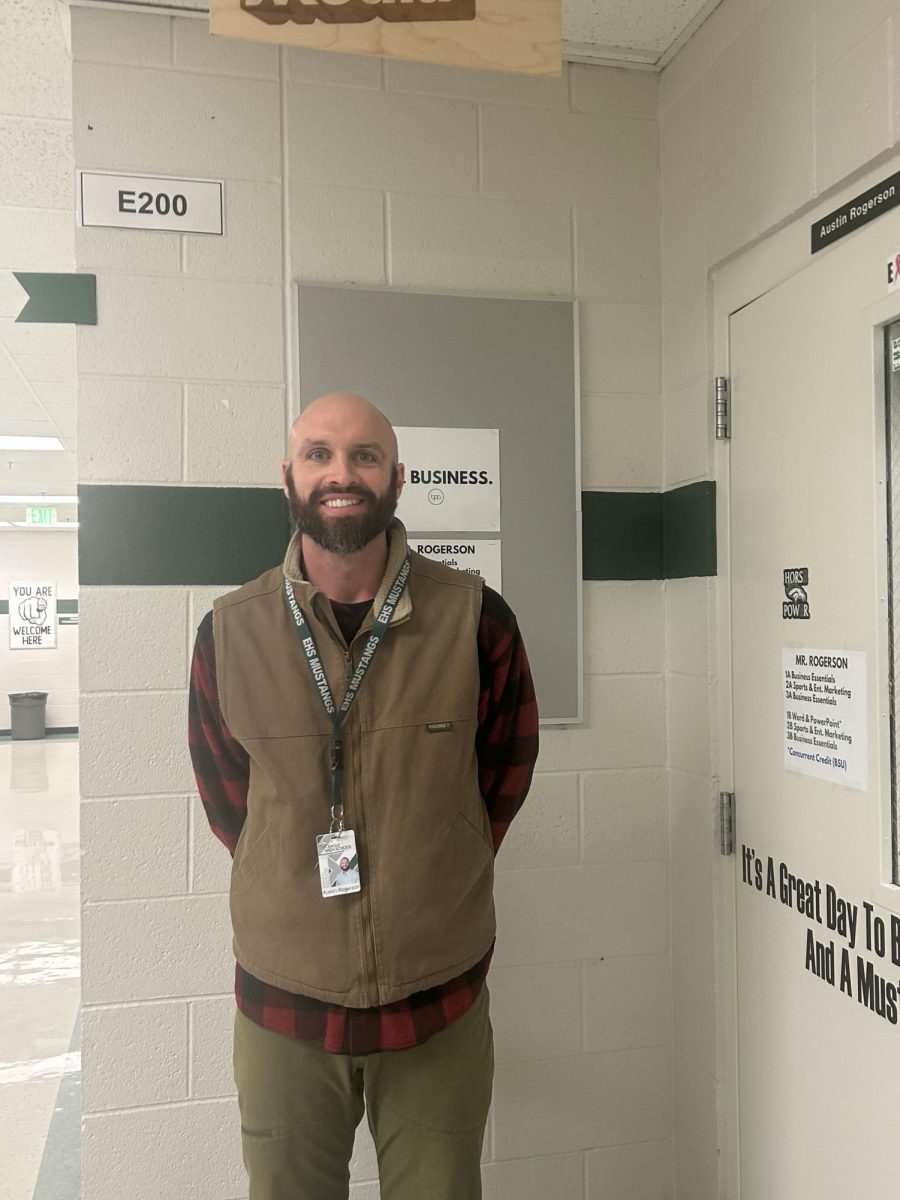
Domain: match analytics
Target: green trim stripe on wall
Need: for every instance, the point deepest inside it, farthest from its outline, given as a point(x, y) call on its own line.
point(62, 606)
point(157, 536)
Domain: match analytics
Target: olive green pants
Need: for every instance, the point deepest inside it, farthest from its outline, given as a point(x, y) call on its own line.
point(426, 1107)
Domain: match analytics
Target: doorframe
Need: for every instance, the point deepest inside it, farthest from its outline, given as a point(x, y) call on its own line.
point(731, 285)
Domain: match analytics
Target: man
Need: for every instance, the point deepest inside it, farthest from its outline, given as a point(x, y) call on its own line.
point(361, 700)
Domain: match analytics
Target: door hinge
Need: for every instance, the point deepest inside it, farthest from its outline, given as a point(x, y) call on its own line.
point(726, 821)
point(723, 409)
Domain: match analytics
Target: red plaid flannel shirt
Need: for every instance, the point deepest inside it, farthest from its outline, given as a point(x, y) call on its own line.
point(506, 747)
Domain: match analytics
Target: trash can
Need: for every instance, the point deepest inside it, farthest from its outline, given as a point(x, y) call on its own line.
point(28, 714)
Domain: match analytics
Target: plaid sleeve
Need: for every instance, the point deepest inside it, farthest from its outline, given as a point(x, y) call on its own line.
point(221, 764)
point(507, 738)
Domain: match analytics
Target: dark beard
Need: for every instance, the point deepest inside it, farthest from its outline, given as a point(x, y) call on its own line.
point(343, 535)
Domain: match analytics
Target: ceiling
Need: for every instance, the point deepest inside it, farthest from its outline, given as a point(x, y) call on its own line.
point(644, 33)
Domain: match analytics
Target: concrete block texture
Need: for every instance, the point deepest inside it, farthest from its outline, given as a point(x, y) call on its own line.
point(690, 608)
point(694, 1008)
point(176, 122)
point(135, 745)
point(627, 1002)
point(603, 160)
point(176, 947)
point(624, 726)
point(853, 108)
point(129, 430)
point(135, 251)
point(693, 1180)
point(474, 244)
point(695, 1119)
point(251, 247)
point(545, 830)
point(150, 327)
point(624, 816)
point(337, 70)
point(39, 239)
point(381, 140)
point(614, 92)
point(839, 28)
point(617, 256)
point(693, 924)
point(535, 1178)
point(623, 626)
point(182, 1152)
point(620, 347)
point(536, 1011)
point(36, 79)
point(694, 834)
point(134, 1054)
point(785, 158)
point(581, 1103)
point(690, 724)
point(767, 63)
point(546, 915)
point(138, 39)
point(37, 163)
point(337, 235)
point(641, 1171)
point(134, 848)
point(461, 84)
point(683, 240)
point(195, 49)
point(234, 435)
point(688, 432)
point(621, 442)
point(684, 336)
point(120, 661)
point(211, 1039)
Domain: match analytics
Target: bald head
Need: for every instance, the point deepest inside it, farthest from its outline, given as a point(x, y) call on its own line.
point(342, 415)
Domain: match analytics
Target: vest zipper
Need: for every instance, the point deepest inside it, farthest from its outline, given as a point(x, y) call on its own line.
point(370, 955)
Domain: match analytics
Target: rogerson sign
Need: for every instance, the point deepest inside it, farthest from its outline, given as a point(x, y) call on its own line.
point(857, 212)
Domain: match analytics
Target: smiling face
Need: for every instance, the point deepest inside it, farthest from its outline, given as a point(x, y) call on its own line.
point(342, 479)
point(345, 864)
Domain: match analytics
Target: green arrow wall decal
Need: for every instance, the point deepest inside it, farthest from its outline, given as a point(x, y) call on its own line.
point(58, 299)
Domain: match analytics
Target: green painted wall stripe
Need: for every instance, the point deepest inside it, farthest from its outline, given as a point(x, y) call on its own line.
point(621, 534)
point(178, 535)
point(650, 535)
point(62, 606)
point(154, 536)
point(58, 299)
point(689, 530)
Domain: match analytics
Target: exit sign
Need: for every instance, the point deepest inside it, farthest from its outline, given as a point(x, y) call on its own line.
point(42, 515)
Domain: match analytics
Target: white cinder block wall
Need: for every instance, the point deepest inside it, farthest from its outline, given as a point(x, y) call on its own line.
point(767, 107)
point(353, 171)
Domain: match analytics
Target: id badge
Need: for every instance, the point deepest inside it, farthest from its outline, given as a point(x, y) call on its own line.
point(338, 863)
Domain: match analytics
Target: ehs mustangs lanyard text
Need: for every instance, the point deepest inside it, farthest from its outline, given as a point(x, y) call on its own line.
point(320, 681)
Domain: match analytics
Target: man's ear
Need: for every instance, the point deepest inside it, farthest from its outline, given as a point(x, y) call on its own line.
point(285, 467)
point(401, 478)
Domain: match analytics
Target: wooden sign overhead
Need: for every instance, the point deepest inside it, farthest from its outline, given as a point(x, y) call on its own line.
point(499, 35)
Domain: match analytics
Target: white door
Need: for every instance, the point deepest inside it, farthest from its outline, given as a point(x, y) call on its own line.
point(817, 1005)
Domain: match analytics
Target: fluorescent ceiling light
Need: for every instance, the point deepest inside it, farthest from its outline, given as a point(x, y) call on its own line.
point(10, 441)
point(38, 499)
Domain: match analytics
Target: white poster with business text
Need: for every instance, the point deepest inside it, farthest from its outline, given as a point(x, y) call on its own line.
point(825, 715)
point(32, 616)
point(452, 479)
point(476, 556)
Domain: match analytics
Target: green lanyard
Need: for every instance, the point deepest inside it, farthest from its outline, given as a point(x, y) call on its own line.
point(320, 680)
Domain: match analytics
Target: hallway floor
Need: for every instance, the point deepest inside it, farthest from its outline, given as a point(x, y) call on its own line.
point(40, 1059)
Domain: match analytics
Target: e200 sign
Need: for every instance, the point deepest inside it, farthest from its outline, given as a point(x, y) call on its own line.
point(148, 202)
point(163, 202)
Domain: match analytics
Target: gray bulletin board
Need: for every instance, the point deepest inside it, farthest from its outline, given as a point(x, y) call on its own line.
point(476, 362)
